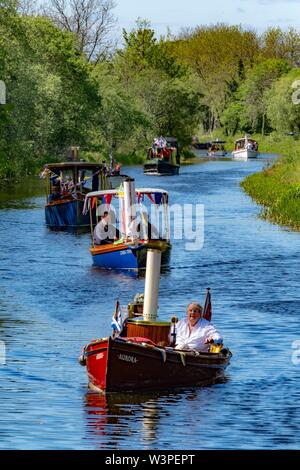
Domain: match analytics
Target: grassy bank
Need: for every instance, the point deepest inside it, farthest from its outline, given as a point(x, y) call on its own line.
point(278, 188)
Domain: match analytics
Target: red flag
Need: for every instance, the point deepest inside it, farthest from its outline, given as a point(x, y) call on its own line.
point(108, 198)
point(207, 311)
point(151, 198)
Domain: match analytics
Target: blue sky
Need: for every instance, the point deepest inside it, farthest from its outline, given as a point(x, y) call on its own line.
point(177, 14)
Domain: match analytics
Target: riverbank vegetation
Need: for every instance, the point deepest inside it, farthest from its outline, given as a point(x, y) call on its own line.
point(277, 189)
point(69, 85)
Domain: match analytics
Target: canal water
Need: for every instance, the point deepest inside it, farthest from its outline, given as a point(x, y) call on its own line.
point(53, 302)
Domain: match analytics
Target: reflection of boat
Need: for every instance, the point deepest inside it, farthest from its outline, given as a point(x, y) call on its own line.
point(140, 357)
point(245, 148)
point(137, 230)
point(163, 157)
point(66, 186)
point(217, 149)
point(104, 413)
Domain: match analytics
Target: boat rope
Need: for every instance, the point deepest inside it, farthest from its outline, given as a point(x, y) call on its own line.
point(164, 354)
point(182, 357)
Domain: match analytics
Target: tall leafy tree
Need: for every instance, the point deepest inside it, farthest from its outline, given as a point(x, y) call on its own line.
point(253, 91)
point(283, 103)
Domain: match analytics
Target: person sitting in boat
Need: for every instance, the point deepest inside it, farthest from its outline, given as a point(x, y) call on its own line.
point(166, 154)
point(117, 169)
point(105, 232)
point(194, 332)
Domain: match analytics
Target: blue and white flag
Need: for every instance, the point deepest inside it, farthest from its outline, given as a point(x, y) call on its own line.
point(117, 323)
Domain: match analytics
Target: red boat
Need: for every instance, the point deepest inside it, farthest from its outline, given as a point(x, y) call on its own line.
point(139, 356)
point(133, 363)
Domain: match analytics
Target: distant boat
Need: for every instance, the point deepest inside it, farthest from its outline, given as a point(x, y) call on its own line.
point(67, 184)
point(163, 157)
point(217, 149)
point(135, 233)
point(245, 148)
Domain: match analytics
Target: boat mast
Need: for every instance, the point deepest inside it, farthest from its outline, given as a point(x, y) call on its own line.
point(152, 285)
point(130, 209)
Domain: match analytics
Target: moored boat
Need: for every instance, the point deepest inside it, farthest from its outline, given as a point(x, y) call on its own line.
point(133, 232)
point(245, 148)
point(142, 357)
point(163, 157)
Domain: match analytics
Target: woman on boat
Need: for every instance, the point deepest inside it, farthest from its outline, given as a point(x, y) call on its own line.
point(194, 332)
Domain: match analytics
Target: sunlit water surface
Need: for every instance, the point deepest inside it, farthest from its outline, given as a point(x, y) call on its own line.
point(53, 302)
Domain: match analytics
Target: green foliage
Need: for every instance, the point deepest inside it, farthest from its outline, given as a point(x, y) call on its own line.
point(253, 90)
point(220, 80)
point(283, 103)
point(278, 189)
point(52, 99)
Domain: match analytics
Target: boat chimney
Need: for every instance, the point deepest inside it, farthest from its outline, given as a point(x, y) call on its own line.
point(152, 284)
point(130, 208)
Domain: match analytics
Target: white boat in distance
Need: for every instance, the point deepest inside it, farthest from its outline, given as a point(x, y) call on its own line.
point(245, 149)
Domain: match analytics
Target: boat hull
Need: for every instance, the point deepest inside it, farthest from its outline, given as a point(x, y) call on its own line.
point(115, 365)
point(217, 154)
point(122, 256)
point(244, 154)
point(67, 214)
point(160, 168)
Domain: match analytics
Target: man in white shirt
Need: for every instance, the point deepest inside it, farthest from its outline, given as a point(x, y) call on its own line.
point(104, 231)
point(194, 332)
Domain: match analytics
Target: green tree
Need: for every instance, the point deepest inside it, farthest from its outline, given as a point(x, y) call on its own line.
point(283, 103)
point(253, 90)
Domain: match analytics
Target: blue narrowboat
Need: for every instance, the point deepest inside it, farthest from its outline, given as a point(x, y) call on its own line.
point(67, 184)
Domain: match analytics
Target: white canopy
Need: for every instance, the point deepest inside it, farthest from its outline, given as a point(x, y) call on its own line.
point(115, 192)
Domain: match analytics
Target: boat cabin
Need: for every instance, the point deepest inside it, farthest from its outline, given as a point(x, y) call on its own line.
point(67, 184)
point(217, 146)
point(246, 144)
point(64, 180)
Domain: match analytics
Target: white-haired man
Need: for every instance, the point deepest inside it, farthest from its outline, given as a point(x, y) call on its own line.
point(194, 332)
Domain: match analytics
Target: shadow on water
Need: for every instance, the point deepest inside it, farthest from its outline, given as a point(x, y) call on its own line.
point(19, 195)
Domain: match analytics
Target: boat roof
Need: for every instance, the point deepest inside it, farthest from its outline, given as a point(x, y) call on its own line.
point(71, 164)
point(246, 138)
point(218, 142)
point(117, 191)
point(171, 139)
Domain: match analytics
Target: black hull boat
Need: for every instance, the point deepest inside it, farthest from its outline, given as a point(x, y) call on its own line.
point(163, 157)
point(160, 168)
point(130, 364)
point(67, 184)
point(141, 354)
